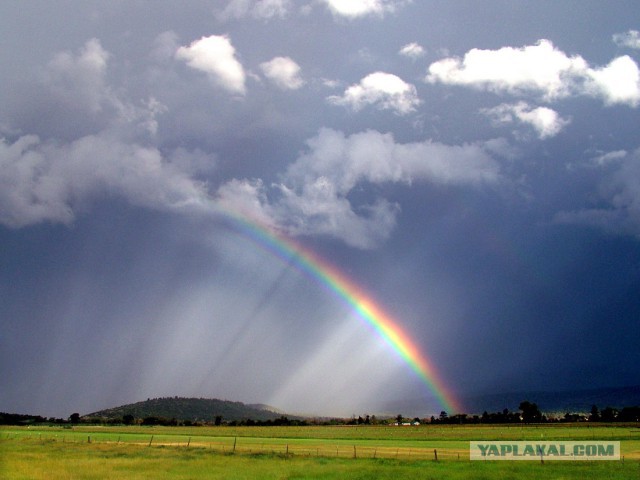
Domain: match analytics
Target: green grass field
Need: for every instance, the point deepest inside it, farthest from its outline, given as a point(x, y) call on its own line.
point(297, 452)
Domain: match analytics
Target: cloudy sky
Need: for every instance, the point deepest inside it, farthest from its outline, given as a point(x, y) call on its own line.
point(473, 166)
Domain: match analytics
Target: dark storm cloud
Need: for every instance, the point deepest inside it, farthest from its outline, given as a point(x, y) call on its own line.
point(474, 169)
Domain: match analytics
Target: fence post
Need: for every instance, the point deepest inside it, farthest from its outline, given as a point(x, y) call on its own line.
point(235, 440)
point(150, 440)
point(435, 454)
point(189, 442)
point(89, 439)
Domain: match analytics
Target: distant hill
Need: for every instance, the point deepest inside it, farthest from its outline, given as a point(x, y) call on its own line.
point(191, 409)
point(206, 410)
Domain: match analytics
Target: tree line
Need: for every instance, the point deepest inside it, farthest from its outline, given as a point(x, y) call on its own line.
point(528, 413)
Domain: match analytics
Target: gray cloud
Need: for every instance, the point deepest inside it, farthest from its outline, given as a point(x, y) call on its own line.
point(313, 196)
point(629, 39)
point(619, 190)
point(80, 80)
point(261, 9)
point(52, 181)
point(45, 182)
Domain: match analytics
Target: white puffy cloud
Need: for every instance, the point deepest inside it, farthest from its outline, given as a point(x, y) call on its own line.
point(387, 91)
point(540, 69)
point(283, 72)
point(412, 50)
point(262, 9)
point(619, 196)
point(618, 82)
point(215, 56)
point(45, 181)
point(359, 8)
point(546, 122)
point(313, 194)
point(629, 39)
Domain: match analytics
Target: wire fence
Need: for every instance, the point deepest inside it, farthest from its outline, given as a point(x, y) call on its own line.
point(456, 451)
point(249, 446)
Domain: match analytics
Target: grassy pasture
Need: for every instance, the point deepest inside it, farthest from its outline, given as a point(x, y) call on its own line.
point(296, 452)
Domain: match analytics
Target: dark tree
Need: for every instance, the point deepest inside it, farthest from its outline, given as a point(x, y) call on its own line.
point(609, 414)
point(152, 421)
point(629, 414)
point(530, 412)
point(74, 418)
point(595, 414)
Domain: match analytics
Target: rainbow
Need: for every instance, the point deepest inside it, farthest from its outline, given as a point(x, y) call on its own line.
point(335, 281)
